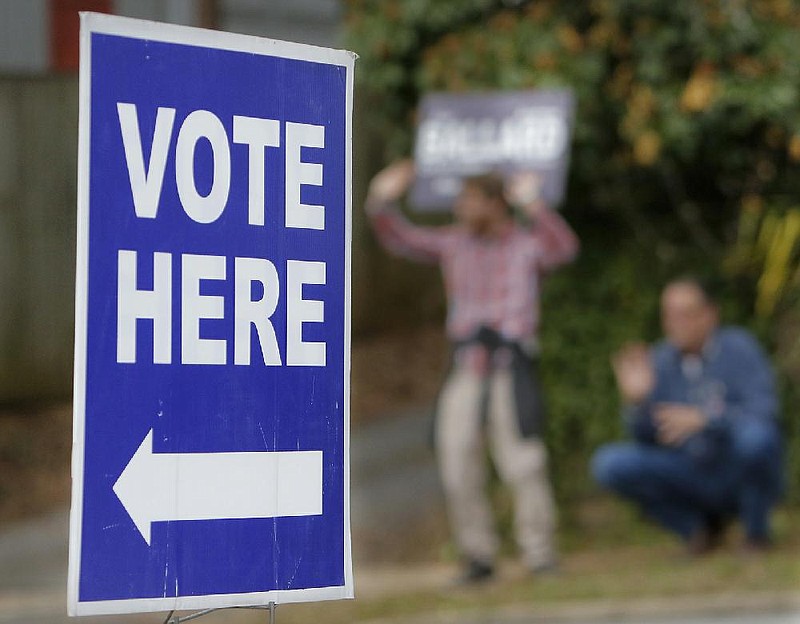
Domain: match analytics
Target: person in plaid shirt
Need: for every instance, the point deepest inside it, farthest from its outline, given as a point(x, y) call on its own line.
point(492, 267)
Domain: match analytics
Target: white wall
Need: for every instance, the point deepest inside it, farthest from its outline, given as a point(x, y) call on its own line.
point(186, 12)
point(317, 22)
point(24, 36)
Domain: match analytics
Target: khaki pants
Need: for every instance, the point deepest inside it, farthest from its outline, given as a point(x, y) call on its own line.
point(521, 464)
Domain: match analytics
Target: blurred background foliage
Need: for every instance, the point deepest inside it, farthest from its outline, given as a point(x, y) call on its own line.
point(684, 159)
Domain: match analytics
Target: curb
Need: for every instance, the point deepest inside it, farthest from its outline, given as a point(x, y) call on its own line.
point(601, 612)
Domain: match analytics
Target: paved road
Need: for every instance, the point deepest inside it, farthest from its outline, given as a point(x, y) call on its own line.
point(584, 615)
point(775, 618)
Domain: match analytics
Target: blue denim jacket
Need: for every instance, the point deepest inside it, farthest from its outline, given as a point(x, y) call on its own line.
point(730, 381)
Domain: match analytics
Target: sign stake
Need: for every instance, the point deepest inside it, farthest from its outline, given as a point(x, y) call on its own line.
point(272, 607)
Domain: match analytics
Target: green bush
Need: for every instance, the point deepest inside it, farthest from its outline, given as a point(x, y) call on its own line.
point(685, 155)
point(610, 296)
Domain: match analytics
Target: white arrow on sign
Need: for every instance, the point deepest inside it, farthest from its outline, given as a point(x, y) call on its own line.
point(159, 487)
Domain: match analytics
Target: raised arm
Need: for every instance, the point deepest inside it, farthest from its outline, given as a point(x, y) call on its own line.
point(556, 240)
point(636, 379)
point(393, 230)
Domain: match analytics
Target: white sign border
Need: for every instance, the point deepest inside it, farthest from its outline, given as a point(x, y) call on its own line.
point(167, 33)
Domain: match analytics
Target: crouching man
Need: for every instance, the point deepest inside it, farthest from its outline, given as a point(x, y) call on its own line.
point(701, 407)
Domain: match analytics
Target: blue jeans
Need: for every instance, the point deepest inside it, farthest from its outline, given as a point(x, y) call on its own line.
point(682, 494)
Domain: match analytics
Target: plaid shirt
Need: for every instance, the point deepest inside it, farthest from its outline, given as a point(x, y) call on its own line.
point(492, 282)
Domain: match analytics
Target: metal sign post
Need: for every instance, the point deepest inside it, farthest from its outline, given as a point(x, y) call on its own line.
point(174, 619)
point(212, 351)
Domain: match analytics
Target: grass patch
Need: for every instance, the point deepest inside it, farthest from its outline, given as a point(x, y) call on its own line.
point(633, 562)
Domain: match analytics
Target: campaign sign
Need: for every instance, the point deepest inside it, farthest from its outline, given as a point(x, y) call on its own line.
point(507, 132)
point(210, 457)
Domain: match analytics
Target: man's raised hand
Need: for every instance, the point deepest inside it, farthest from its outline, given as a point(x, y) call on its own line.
point(390, 184)
point(634, 372)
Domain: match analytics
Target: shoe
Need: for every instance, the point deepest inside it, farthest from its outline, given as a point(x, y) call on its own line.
point(546, 568)
point(475, 572)
point(708, 537)
point(717, 527)
point(700, 542)
point(755, 546)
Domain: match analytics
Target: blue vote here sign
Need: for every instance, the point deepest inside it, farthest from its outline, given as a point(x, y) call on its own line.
point(212, 347)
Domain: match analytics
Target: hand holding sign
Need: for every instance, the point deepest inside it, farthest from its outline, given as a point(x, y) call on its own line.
point(524, 191)
point(391, 183)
